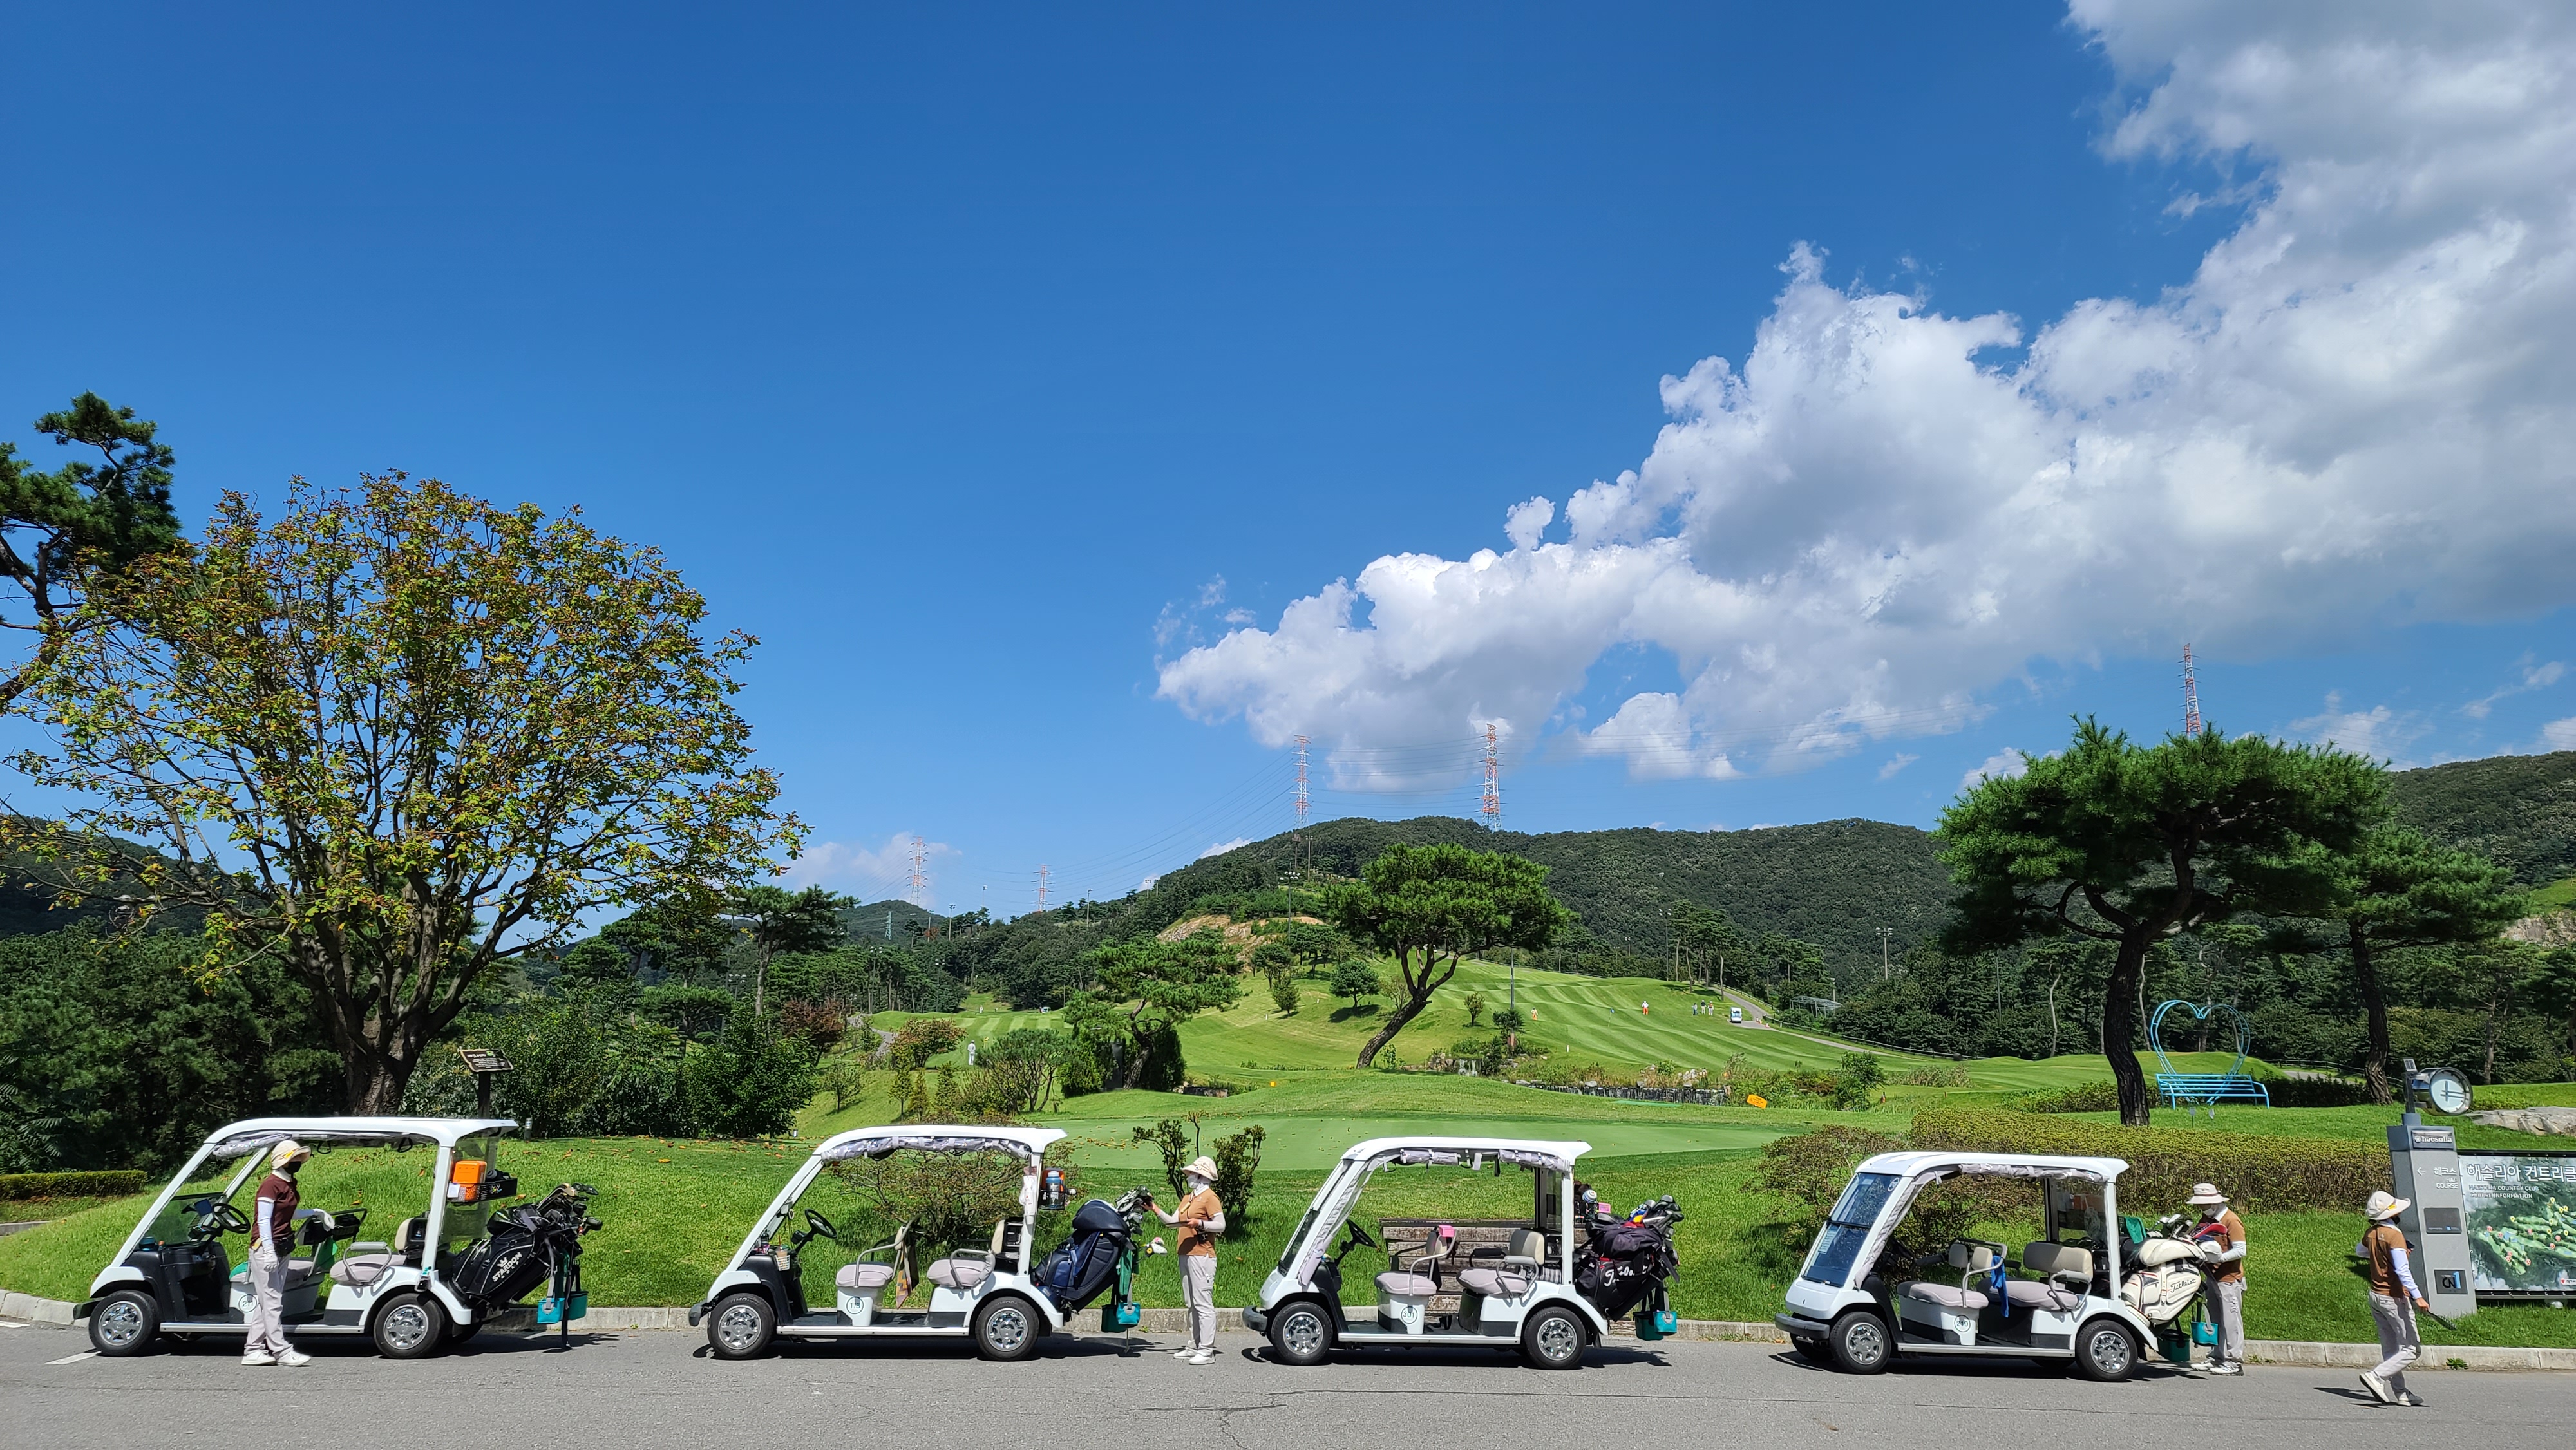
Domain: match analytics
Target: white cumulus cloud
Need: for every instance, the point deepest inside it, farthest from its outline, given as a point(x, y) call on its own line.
point(877, 874)
point(2002, 765)
point(2355, 411)
point(2378, 732)
point(2559, 734)
point(1219, 848)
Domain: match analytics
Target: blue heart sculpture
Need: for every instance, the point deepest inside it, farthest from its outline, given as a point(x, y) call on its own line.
point(2199, 1013)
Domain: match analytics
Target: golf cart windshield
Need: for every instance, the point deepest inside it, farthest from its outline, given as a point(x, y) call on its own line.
point(212, 1178)
point(1847, 1227)
point(470, 1204)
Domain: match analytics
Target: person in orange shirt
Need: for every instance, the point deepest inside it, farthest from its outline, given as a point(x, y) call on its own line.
point(2393, 1301)
point(2222, 1235)
point(1200, 1218)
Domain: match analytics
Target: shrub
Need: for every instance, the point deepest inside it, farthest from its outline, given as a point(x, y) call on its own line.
point(1171, 1138)
point(1936, 1074)
point(94, 1183)
point(920, 1040)
point(1283, 991)
point(1475, 1007)
point(1237, 1156)
point(1810, 1169)
point(948, 1198)
point(2316, 1092)
point(1859, 1080)
point(2261, 1171)
point(2082, 1097)
point(819, 1025)
point(845, 1077)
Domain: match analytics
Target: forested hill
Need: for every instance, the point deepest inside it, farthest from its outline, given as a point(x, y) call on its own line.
point(1833, 883)
point(2519, 810)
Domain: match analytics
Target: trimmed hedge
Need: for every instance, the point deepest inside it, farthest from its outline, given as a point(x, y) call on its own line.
point(2261, 1172)
point(2082, 1097)
point(103, 1183)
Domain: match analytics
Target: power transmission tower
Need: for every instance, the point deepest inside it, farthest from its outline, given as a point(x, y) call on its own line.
point(1299, 839)
point(1884, 932)
point(2190, 695)
point(1492, 810)
point(919, 887)
point(1042, 889)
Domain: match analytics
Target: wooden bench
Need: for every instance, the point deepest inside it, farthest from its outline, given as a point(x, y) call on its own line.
point(2211, 1087)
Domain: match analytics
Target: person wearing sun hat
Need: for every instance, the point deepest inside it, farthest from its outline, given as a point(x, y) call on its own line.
point(1200, 1217)
point(2393, 1300)
point(272, 1244)
point(2221, 1235)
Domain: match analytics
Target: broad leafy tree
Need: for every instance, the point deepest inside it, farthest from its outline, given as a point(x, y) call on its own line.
point(2402, 890)
point(397, 737)
point(2133, 845)
point(1429, 906)
point(1145, 989)
point(63, 529)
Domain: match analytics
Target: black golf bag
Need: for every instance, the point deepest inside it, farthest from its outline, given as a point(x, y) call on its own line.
point(1625, 1261)
point(502, 1268)
point(1075, 1274)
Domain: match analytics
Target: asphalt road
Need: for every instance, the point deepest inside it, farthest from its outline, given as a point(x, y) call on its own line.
point(660, 1389)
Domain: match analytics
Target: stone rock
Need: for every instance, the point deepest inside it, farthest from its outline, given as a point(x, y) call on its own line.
point(2559, 1121)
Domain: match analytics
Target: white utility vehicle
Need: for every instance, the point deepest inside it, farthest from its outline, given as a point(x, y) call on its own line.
point(1859, 1306)
point(1002, 1297)
point(444, 1272)
point(1521, 1293)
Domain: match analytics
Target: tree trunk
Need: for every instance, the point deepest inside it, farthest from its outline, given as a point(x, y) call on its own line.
point(1417, 995)
point(2374, 1009)
point(2120, 1028)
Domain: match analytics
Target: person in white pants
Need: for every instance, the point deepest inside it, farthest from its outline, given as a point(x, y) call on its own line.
point(2390, 1276)
point(2221, 1236)
point(1200, 1218)
point(272, 1244)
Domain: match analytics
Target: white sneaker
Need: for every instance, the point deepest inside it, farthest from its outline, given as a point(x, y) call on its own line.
point(294, 1359)
point(1204, 1356)
point(2229, 1368)
point(2378, 1387)
point(1183, 1353)
point(258, 1357)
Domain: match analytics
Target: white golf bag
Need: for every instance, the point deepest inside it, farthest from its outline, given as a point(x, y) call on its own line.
point(2167, 1280)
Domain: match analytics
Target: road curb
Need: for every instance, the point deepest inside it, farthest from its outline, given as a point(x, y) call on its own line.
point(2307, 1354)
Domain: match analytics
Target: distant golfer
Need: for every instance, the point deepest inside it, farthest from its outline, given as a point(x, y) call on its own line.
point(2223, 1235)
point(1200, 1218)
point(2385, 1247)
point(272, 1244)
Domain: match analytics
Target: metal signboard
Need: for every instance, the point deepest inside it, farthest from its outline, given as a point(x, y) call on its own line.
point(2521, 1221)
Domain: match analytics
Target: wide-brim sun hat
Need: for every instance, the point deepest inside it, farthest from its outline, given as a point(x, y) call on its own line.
point(2384, 1204)
point(1204, 1166)
point(2204, 1194)
point(287, 1152)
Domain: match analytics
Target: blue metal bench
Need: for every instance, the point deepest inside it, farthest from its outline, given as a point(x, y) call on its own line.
point(2211, 1087)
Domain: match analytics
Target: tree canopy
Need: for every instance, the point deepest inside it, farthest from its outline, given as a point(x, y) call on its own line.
point(2133, 844)
point(59, 530)
point(1144, 991)
point(432, 734)
point(1427, 906)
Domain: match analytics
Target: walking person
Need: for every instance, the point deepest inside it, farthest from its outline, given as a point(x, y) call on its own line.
point(1200, 1218)
point(272, 1244)
point(2393, 1301)
point(2223, 1235)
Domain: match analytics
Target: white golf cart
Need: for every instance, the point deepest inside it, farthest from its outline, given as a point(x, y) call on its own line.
point(174, 1275)
point(1518, 1293)
point(994, 1296)
point(1859, 1306)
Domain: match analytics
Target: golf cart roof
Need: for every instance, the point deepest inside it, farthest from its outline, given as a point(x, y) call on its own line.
point(1999, 1165)
point(251, 1134)
point(1563, 1151)
point(936, 1138)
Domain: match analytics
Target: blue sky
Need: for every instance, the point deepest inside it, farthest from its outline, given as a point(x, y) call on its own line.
point(1011, 371)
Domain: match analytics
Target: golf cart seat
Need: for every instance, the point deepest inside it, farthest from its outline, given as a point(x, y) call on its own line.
point(860, 1278)
point(2069, 1271)
point(1972, 1261)
point(1521, 1262)
point(1418, 1285)
point(364, 1264)
point(965, 1270)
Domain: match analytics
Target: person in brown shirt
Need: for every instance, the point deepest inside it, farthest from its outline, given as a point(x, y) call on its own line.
point(2222, 1236)
point(1201, 1218)
point(272, 1244)
point(2393, 1301)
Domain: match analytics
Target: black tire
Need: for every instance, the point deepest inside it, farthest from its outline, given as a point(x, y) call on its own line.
point(1007, 1327)
point(123, 1323)
point(410, 1326)
point(743, 1326)
point(2106, 1351)
point(1553, 1338)
point(1861, 1343)
point(1301, 1333)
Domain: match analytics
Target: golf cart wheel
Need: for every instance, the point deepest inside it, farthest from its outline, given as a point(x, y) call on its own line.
point(1007, 1327)
point(123, 1323)
point(410, 1326)
point(1861, 1343)
point(742, 1326)
point(1553, 1339)
point(459, 1333)
point(2106, 1350)
point(1301, 1334)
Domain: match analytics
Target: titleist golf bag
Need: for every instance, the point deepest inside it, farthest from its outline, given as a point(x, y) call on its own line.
point(1075, 1274)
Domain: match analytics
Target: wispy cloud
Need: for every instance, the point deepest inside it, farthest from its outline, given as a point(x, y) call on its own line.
point(1219, 848)
point(2002, 765)
point(2534, 677)
point(2378, 732)
point(1889, 770)
point(870, 874)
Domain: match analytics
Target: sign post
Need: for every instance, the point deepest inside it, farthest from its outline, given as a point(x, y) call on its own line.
point(2424, 1163)
point(483, 1062)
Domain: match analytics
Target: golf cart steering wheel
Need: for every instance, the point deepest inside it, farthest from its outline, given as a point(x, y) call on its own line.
point(219, 1215)
point(1360, 1237)
point(817, 1226)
